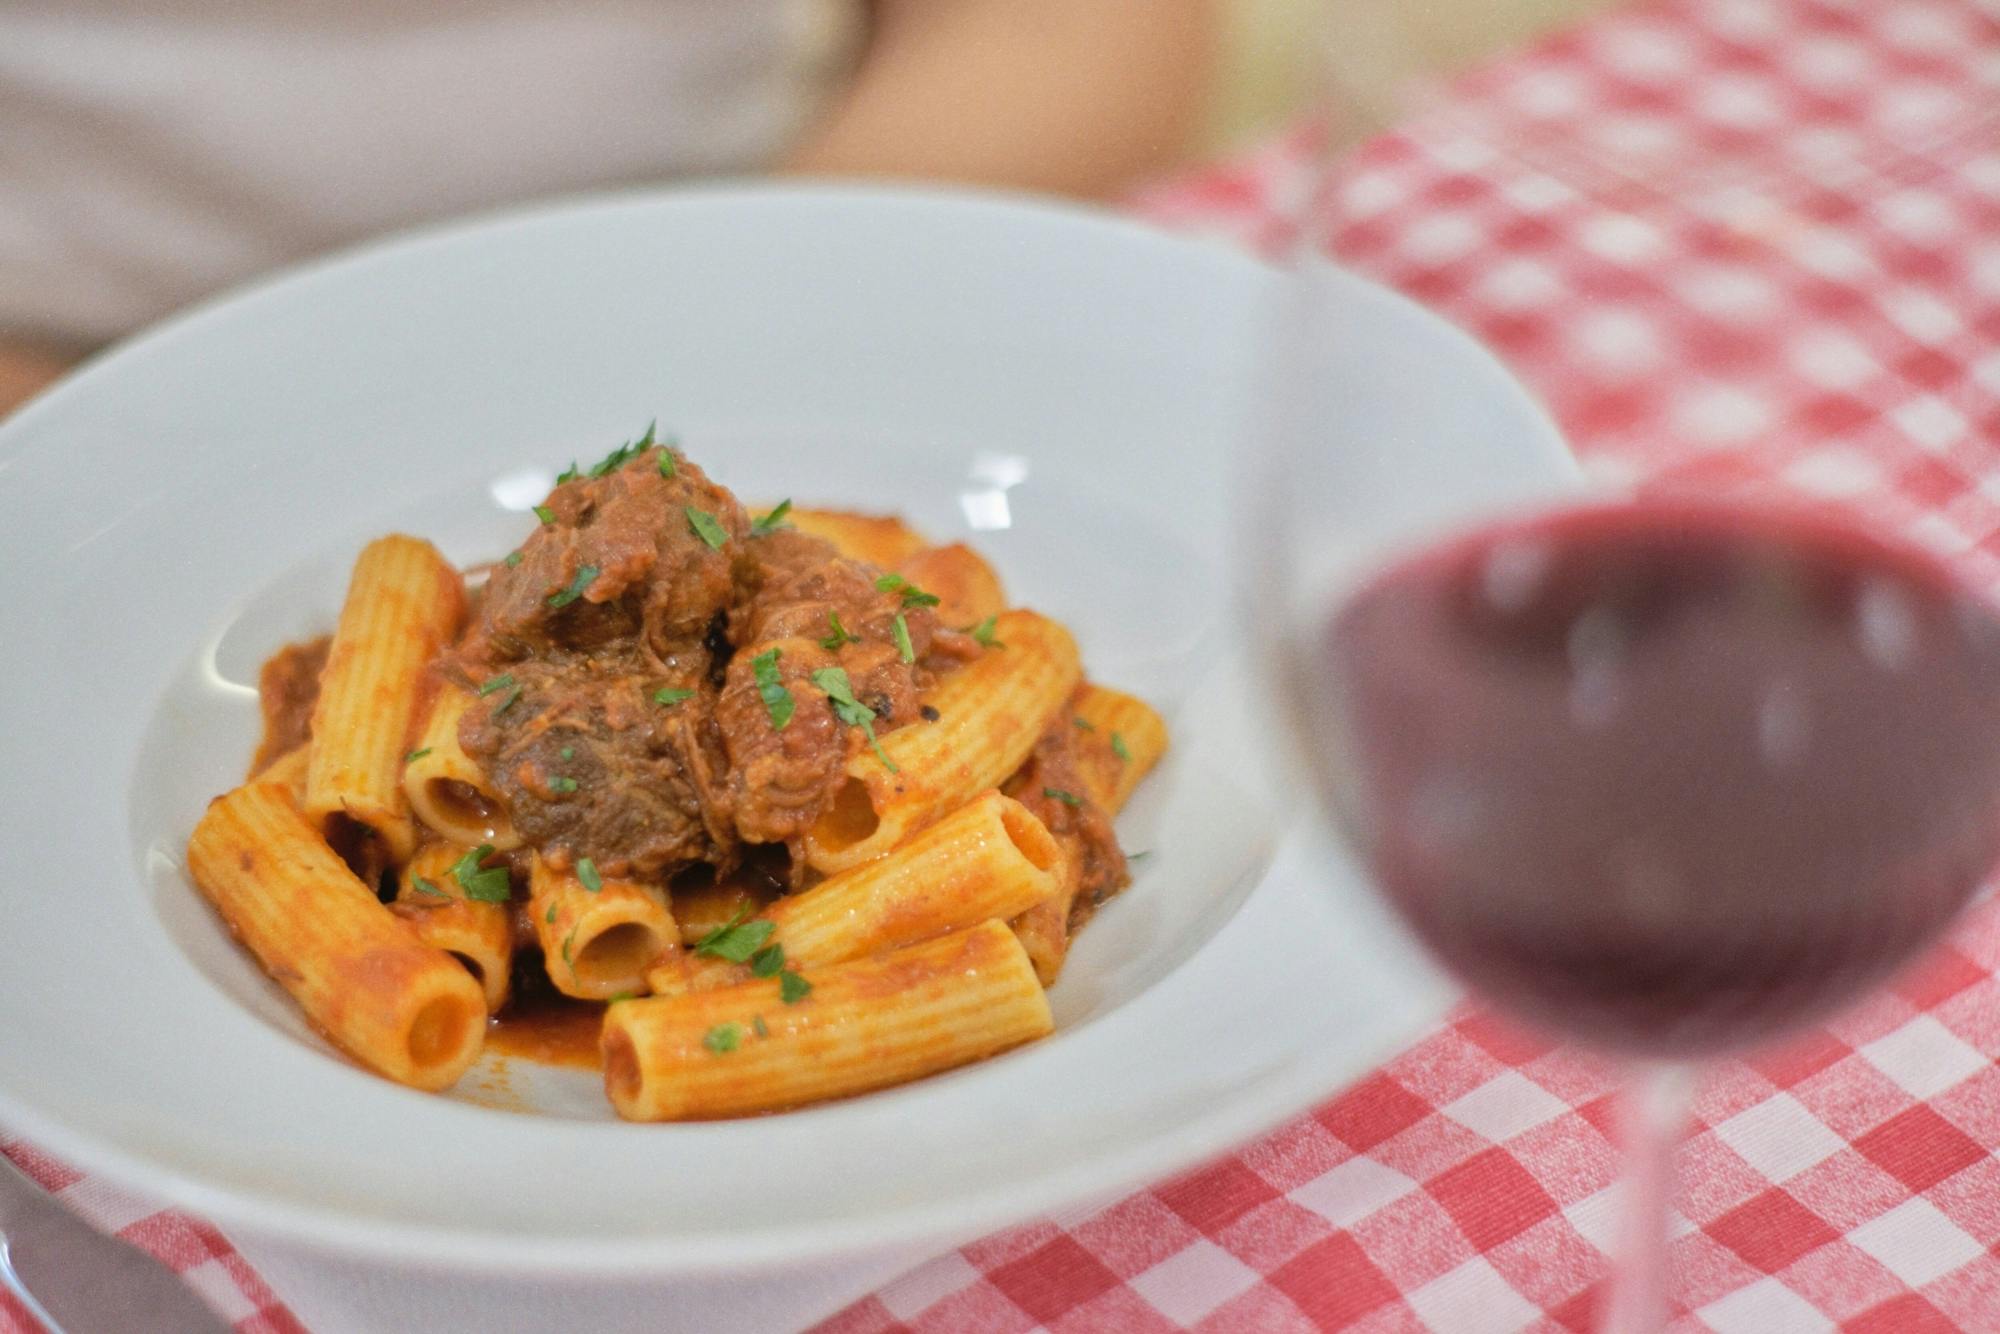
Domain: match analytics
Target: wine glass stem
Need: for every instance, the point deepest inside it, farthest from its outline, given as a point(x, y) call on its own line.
point(1653, 1113)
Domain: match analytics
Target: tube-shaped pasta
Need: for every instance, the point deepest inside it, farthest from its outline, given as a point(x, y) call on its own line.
point(701, 909)
point(863, 1025)
point(990, 712)
point(399, 1007)
point(1044, 933)
point(1123, 741)
point(885, 541)
point(288, 771)
point(403, 604)
point(478, 934)
point(688, 971)
point(597, 943)
point(967, 589)
point(990, 858)
point(447, 789)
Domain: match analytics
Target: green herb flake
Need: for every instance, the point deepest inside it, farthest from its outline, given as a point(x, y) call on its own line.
point(1066, 798)
point(773, 521)
point(1084, 724)
point(622, 996)
point(767, 961)
point(624, 454)
point(839, 636)
point(513, 559)
point(513, 698)
point(982, 633)
point(569, 474)
point(840, 693)
point(736, 940)
point(569, 941)
point(550, 916)
point(912, 595)
point(666, 458)
point(568, 752)
point(545, 514)
point(777, 700)
point(671, 695)
point(763, 1029)
point(792, 988)
point(705, 527)
point(586, 874)
point(416, 754)
point(904, 649)
point(483, 884)
point(1138, 856)
point(1119, 749)
point(423, 886)
point(493, 683)
point(585, 574)
point(562, 783)
point(723, 1038)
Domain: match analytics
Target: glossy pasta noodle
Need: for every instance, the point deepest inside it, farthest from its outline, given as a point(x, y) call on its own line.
point(795, 801)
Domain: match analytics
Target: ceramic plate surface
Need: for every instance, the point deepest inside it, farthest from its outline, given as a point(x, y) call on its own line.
point(1056, 386)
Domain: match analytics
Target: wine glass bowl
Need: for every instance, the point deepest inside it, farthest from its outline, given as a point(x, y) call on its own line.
point(1666, 778)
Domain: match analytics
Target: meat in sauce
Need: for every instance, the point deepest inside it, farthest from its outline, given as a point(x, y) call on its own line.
point(287, 690)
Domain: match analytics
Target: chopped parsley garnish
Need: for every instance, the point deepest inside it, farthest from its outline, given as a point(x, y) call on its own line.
point(982, 633)
point(777, 699)
point(912, 595)
point(569, 474)
point(1066, 798)
point(488, 884)
point(792, 988)
point(585, 574)
point(568, 752)
point(904, 649)
point(622, 455)
point(568, 941)
point(513, 559)
point(1138, 856)
point(416, 754)
point(1084, 724)
point(705, 527)
point(840, 693)
point(493, 683)
point(723, 1037)
point(550, 915)
point(586, 873)
point(773, 521)
point(767, 961)
point(736, 940)
point(666, 457)
point(513, 698)
point(545, 514)
point(763, 1031)
point(671, 695)
point(423, 886)
point(562, 783)
point(839, 636)
point(622, 996)
point(1118, 748)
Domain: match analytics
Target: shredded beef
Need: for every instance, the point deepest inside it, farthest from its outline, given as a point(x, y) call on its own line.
point(1080, 825)
point(287, 690)
point(573, 662)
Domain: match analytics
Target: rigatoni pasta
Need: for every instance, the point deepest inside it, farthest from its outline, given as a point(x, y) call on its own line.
point(399, 1007)
point(860, 1026)
point(794, 793)
point(989, 713)
point(404, 603)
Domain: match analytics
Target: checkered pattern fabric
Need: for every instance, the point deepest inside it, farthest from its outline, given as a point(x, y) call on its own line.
point(1734, 245)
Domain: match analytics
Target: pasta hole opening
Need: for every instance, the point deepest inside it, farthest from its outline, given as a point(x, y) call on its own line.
point(619, 954)
point(472, 966)
point(461, 804)
point(439, 1031)
point(621, 1065)
point(850, 819)
point(1030, 837)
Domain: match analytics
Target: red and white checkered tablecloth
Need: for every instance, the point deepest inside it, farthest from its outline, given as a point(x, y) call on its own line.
point(1732, 244)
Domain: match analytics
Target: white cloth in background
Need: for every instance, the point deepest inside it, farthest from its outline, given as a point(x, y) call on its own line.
point(155, 151)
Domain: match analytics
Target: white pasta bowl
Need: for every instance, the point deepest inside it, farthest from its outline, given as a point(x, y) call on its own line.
point(1053, 385)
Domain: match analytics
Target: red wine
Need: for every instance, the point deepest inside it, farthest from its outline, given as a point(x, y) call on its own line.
point(1667, 777)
